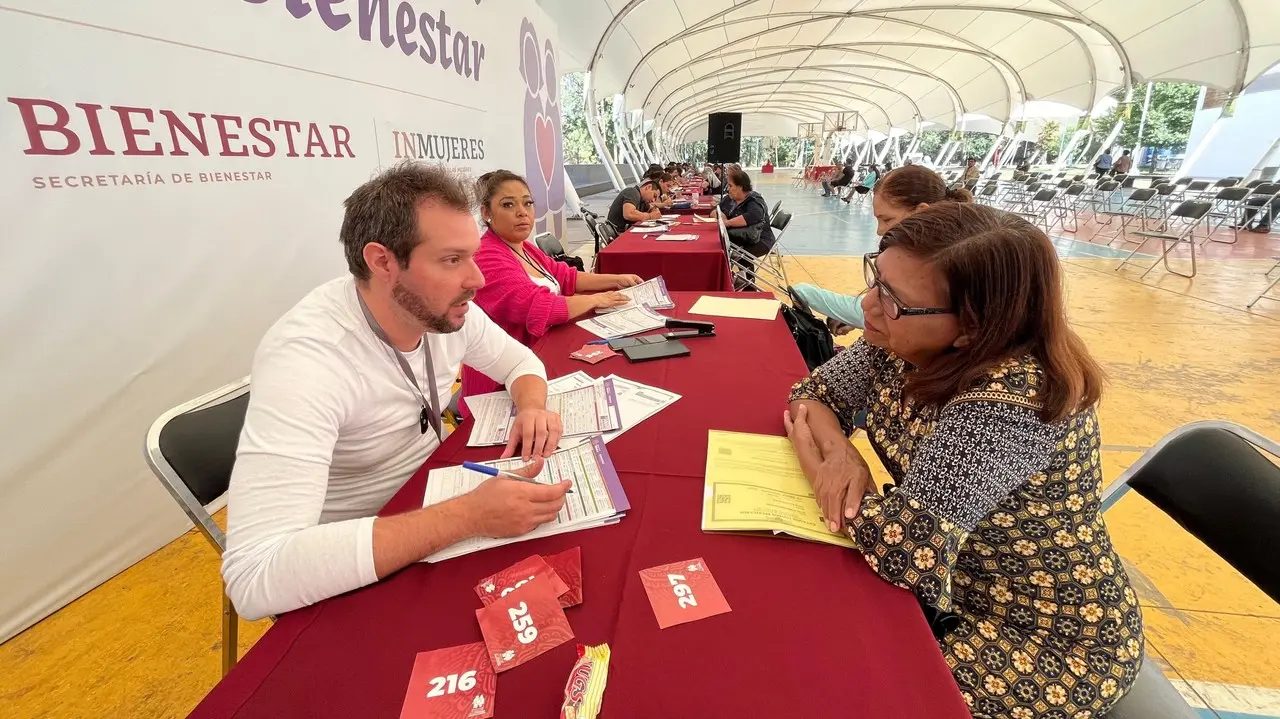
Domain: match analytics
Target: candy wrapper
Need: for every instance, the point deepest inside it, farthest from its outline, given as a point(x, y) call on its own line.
point(585, 689)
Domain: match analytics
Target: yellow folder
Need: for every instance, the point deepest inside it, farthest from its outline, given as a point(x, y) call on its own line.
point(754, 483)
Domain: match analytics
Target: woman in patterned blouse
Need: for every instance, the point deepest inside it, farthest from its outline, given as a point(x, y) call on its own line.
point(979, 402)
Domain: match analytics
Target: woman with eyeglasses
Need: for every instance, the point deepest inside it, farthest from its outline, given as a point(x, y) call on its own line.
point(898, 195)
point(980, 402)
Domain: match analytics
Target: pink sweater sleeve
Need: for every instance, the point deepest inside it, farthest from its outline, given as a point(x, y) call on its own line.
point(511, 297)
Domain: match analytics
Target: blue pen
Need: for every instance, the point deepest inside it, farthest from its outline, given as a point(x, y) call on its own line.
point(495, 472)
point(600, 342)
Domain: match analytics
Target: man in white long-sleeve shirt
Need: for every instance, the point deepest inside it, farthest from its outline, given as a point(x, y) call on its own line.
point(344, 406)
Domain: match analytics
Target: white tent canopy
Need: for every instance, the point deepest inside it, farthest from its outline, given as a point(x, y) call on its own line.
point(902, 62)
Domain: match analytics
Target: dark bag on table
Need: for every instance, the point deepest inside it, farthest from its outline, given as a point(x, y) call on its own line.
point(812, 337)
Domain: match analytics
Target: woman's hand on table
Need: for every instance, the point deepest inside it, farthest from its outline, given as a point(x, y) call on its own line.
point(837, 472)
point(624, 281)
point(609, 300)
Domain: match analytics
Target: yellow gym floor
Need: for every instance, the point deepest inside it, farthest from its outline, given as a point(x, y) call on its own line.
point(146, 643)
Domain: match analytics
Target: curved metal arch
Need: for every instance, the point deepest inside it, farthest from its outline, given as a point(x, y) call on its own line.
point(697, 112)
point(858, 80)
point(854, 47)
point(690, 111)
point(817, 107)
point(832, 85)
point(1126, 66)
point(765, 108)
point(1071, 15)
point(1002, 66)
point(1242, 22)
point(780, 112)
point(681, 115)
point(827, 103)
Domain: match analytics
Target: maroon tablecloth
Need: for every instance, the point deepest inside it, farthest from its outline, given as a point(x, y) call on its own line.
point(696, 266)
point(812, 631)
point(699, 204)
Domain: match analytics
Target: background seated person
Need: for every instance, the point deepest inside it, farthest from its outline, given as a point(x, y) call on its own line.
point(898, 195)
point(345, 386)
point(526, 292)
point(720, 187)
point(666, 191)
point(711, 183)
point(665, 184)
point(846, 177)
point(980, 403)
point(865, 185)
point(748, 223)
point(633, 205)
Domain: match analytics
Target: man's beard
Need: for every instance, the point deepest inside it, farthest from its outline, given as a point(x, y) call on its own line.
point(416, 306)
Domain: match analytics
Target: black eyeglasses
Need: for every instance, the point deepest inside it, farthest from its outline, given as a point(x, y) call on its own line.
point(892, 306)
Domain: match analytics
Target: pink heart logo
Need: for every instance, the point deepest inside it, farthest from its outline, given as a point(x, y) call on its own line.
point(545, 139)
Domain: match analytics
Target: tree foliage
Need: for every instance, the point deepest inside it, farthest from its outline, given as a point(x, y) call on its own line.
point(578, 147)
point(1049, 141)
point(1173, 108)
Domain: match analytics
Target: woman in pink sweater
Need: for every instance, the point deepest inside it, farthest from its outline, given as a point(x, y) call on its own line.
point(525, 291)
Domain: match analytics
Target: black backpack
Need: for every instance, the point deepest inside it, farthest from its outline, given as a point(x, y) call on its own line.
point(810, 333)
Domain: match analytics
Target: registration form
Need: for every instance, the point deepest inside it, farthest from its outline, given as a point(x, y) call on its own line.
point(585, 406)
point(650, 293)
point(627, 322)
point(754, 483)
point(597, 499)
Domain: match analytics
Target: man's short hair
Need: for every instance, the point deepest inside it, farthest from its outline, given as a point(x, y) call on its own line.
point(650, 183)
point(384, 210)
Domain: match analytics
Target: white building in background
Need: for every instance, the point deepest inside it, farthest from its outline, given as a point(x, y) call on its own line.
point(1237, 145)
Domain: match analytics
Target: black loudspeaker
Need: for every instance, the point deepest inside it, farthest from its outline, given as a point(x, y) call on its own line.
point(724, 137)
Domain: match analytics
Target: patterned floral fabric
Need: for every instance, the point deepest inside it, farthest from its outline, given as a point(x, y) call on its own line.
point(992, 522)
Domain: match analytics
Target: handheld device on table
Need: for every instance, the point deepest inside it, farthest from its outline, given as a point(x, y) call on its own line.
point(655, 350)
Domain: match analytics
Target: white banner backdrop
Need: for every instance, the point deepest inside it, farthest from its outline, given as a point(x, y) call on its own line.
point(171, 181)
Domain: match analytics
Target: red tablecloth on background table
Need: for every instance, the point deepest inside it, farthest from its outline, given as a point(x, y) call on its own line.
point(696, 266)
point(812, 631)
point(700, 204)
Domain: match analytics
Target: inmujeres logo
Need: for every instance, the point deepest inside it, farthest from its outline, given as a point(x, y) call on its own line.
point(53, 129)
point(441, 148)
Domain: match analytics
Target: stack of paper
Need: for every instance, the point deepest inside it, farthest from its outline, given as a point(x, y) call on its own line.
point(597, 498)
point(700, 218)
point(636, 403)
point(676, 238)
point(754, 483)
point(627, 322)
point(584, 408)
point(640, 230)
point(650, 293)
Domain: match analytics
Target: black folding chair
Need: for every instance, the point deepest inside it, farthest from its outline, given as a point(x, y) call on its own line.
point(191, 449)
point(1137, 207)
point(550, 245)
point(1228, 207)
point(1212, 478)
point(1037, 209)
point(1067, 204)
point(1263, 294)
point(1186, 217)
point(1260, 197)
